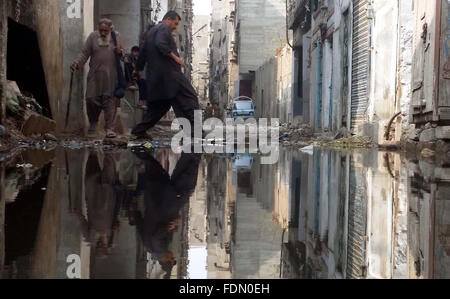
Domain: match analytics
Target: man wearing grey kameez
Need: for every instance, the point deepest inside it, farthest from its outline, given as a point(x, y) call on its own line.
point(102, 78)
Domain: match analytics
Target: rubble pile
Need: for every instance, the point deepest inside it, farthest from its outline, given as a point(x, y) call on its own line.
point(353, 142)
point(302, 135)
point(296, 134)
point(25, 120)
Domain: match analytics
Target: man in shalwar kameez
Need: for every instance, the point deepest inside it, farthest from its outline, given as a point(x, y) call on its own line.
point(102, 78)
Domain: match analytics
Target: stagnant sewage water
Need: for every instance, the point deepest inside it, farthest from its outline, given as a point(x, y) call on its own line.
point(156, 214)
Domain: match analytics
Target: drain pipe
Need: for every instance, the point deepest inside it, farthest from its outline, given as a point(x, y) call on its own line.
point(388, 128)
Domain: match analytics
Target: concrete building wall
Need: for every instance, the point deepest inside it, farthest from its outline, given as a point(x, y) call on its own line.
point(341, 22)
point(223, 54)
point(383, 71)
point(314, 108)
point(50, 43)
point(262, 29)
point(349, 228)
point(43, 18)
point(219, 47)
point(265, 88)
point(200, 74)
point(272, 87)
point(329, 61)
point(284, 79)
point(404, 80)
point(390, 72)
point(126, 16)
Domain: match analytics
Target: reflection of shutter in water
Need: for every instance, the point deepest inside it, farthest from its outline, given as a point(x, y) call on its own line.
point(360, 62)
point(357, 220)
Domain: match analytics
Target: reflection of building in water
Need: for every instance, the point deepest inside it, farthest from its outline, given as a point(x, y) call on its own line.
point(55, 221)
point(220, 198)
point(326, 215)
point(257, 230)
point(197, 225)
point(429, 220)
point(367, 215)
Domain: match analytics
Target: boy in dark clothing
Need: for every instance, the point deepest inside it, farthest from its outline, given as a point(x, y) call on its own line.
point(134, 81)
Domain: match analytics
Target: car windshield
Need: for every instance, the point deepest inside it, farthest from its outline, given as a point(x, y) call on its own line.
point(243, 105)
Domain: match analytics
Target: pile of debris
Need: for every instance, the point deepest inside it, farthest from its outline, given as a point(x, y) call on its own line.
point(25, 119)
point(354, 142)
point(296, 134)
point(302, 135)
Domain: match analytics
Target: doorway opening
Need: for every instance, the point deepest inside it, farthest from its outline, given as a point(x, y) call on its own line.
point(24, 64)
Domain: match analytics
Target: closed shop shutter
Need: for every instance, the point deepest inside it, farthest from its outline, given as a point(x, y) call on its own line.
point(357, 225)
point(360, 62)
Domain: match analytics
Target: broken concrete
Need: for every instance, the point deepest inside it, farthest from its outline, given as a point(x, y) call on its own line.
point(428, 135)
point(38, 125)
point(443, 133)
point(414, 135)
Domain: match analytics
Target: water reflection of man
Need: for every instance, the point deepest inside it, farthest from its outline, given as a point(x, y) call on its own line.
point(164, 197)
point(100, 227)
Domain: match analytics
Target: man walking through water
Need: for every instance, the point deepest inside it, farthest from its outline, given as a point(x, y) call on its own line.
point(167, 85)
point(102, 78)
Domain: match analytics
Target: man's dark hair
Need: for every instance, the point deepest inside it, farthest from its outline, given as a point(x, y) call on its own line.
point(172, 15)
point(135, 49)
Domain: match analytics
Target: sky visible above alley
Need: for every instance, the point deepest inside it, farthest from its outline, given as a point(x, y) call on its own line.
point(202, 7)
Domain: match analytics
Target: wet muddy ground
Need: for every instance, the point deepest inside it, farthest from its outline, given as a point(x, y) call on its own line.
point(96, 212)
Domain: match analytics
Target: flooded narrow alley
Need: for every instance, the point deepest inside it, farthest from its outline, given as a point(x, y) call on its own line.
point(156, 214)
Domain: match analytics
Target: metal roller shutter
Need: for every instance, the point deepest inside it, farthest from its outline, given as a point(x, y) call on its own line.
point(360, 62)
point(357, 225)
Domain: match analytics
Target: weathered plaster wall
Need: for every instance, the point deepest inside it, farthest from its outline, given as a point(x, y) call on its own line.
point(384, 68)
point(341, 53)
point(262, 31)
point(272, 88)
point(126, 16)
point(315, 115)
point(265, 89)
point(44, 18)
point(306, 42)
point(200, 59)
point(327, 85)
point(284, 82)
point(404, 80)
point(51, 45)
point(218, 61)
